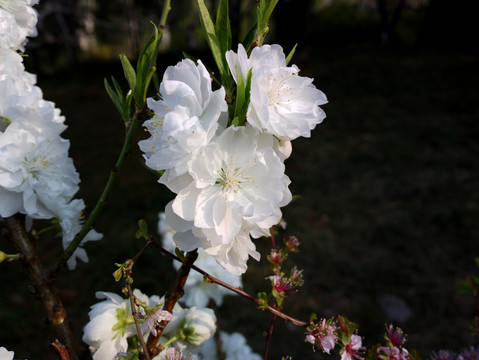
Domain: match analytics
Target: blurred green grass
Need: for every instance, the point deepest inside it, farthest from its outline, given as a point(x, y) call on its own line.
point(388, 203)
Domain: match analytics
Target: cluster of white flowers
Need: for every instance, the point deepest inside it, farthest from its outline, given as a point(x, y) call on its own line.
point(190, 330)
point(37, 177)
point(229, 182)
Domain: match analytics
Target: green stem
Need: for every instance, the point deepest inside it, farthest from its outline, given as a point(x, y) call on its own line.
point(38, 233)
point(8, 257)
point(164, 15)
point(139, 116)
point(170, 340)
point(137, 324)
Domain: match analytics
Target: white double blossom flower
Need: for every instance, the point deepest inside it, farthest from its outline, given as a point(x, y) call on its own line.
point(186, 118)
point(282, 103)
point(17, 21)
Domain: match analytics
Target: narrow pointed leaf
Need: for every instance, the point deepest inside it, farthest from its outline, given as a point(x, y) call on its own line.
point(118, 89)
point(291, 53)
point(114, 97)
point(128, 71)
point(209, 29)
point(146, 67)
point(247, 96)
point(240, 93)
point(223, 27)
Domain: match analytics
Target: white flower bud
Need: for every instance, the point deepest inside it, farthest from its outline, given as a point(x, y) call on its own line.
point(192, 326)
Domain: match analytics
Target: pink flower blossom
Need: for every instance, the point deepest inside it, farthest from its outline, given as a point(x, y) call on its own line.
point(280, 284)
point(395, 336)
point(392, 353)
point(322, 335)
point(276, 257)
point(152, 319)
point(351, 350)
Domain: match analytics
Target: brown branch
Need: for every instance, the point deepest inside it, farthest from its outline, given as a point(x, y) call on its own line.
point(44, 290)
point(268, 337)
point(171, 298)
point(60, 349)
point(237, 290)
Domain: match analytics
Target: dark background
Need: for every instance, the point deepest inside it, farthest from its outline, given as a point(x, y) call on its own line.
point(388, 206)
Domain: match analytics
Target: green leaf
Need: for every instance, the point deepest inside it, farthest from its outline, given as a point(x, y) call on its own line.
point(249, 38)
point(145, 68)
point(240, 95)
point(118, 274)
point(223, 28)
point(113, 96)
point(213, 42)
point(291, 53)
point(118, 89)
point(128, 71)
point(262, 301)
point(180, 253)
point(142, 230)
point(242, 98)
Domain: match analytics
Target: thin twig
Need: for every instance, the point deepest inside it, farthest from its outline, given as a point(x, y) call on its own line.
point(60, 349)
point(268, 338)
point(237, 290)
point(137, 324)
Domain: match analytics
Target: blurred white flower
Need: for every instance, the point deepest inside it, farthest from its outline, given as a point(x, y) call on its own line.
point(185, 119)
point(191, 327)
point(172, 353)
point(71, 222)
point(234, 346)
point(282, 103)
point(5, 354)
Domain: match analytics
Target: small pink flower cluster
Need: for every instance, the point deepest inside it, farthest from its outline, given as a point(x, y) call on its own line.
point(394, 349)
